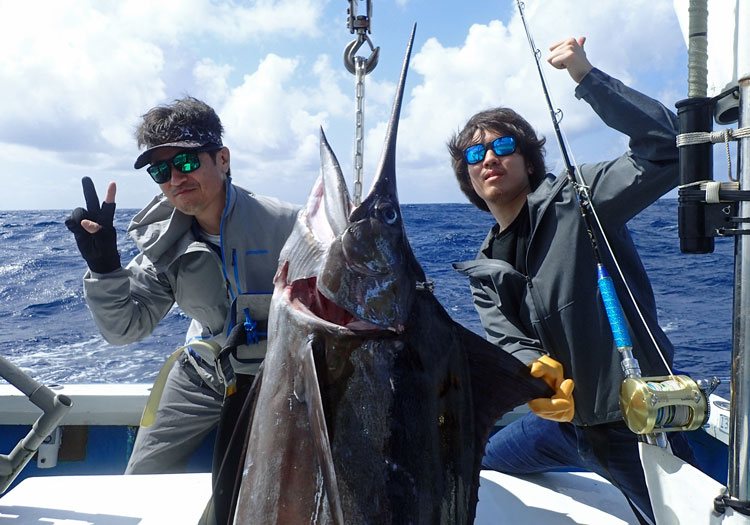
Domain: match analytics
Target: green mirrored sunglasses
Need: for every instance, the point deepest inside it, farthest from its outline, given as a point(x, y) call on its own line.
point(184, 161)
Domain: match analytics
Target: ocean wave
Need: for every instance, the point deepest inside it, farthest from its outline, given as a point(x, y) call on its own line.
point(46, 326)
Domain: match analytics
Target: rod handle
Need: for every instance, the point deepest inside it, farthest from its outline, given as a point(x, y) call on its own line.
point(613, 308)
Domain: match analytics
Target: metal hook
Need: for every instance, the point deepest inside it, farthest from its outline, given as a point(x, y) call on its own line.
point(351, 49)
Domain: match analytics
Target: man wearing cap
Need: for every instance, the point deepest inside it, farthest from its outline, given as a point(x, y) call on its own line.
point(205, 244)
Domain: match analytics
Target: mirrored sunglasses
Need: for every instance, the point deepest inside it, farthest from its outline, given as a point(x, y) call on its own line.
point(185, 162)
point(501, 146)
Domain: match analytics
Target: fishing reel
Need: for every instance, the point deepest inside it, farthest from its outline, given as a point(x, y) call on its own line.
point(664, 404)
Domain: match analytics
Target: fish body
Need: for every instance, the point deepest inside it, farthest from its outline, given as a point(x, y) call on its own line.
point(394, 412)
point(373, 405)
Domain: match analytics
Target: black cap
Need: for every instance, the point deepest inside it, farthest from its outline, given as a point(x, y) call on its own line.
point(182, 137)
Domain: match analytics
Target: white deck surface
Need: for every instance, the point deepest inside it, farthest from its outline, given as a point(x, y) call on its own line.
point(554, 498)
point(164, 499)
point(549, 499)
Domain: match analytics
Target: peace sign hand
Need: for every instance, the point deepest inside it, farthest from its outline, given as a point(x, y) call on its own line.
point(93, 229)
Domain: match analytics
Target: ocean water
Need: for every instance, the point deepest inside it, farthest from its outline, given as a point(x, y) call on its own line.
point(46, 328)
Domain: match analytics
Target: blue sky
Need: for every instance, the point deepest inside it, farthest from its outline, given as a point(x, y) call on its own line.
point(76, 75)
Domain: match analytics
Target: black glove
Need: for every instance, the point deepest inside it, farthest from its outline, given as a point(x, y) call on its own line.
point(100, 248)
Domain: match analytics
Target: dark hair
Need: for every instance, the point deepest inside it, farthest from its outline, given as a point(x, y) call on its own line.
point(185, 119)
point(506, 122)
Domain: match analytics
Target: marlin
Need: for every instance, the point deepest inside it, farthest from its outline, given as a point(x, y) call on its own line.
point(373, 405)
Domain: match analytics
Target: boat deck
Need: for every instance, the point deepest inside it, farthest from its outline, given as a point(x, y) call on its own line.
point(85, 486)
point(560, 498)
point(107, 500)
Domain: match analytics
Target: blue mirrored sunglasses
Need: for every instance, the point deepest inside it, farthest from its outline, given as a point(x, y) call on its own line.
point(501, 146)
point(184, 161)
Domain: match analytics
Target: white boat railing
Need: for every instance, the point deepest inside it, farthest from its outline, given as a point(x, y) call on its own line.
point(54, 407)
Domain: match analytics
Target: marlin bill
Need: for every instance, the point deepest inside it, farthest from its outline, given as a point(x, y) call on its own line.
point(373, 405)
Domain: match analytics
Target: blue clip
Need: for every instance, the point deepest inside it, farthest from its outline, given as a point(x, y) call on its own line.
point(250, 324)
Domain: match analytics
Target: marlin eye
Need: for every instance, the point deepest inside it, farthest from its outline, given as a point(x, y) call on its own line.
point(388, 214)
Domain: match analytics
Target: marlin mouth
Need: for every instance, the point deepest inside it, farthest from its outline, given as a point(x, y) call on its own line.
point(304, 296)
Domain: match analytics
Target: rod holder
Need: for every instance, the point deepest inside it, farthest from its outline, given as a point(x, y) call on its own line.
point(696, 164)
point(54, 406)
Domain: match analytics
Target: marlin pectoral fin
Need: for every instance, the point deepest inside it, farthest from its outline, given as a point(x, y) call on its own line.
point(320, 434)
point(499, 381)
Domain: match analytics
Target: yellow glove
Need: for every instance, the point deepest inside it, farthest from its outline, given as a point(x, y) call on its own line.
point(560, 407)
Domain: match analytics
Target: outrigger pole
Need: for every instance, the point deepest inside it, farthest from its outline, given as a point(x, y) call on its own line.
point(709, 209)
point(739, 455)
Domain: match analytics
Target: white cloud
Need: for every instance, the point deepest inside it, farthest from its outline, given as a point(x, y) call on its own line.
point(175, 21)
point(76, 76)
point(494, 66)
point(96, 66)
point(272, 124)
point(254, 115)
point(212, 81)
point(268, 17)
point(61, 70)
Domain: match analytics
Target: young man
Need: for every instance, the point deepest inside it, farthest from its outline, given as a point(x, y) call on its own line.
point(205, 244)
point(534, 279)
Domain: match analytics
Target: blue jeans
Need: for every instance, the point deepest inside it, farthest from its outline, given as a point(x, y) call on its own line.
point(532, 444)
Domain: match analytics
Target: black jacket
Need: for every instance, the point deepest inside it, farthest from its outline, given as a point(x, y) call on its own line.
point(556, 309)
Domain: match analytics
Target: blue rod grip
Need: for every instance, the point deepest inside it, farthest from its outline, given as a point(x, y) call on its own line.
point(613, 308)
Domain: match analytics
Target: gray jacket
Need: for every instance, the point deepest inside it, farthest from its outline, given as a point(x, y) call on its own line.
point(556, 309)
point(175, 266)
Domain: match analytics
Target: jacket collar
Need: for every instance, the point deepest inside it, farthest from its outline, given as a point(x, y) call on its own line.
point(538, 201)
point(160, 227)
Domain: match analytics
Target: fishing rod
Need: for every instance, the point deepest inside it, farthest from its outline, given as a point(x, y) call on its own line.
point(680, 403)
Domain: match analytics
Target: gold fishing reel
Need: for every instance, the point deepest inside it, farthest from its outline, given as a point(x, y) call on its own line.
point(663, 404)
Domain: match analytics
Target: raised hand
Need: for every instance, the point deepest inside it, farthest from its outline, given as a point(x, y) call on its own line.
point(569, 54)
point(93, 229)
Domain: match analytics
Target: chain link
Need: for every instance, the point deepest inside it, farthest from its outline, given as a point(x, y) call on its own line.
point(359, 67)
point(359, 118)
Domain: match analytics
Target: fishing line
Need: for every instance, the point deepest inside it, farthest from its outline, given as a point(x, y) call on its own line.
point(588, 212)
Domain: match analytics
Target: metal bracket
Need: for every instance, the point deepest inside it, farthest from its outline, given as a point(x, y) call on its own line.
point(725, 500)
point(360, 24)
point(54, 406)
